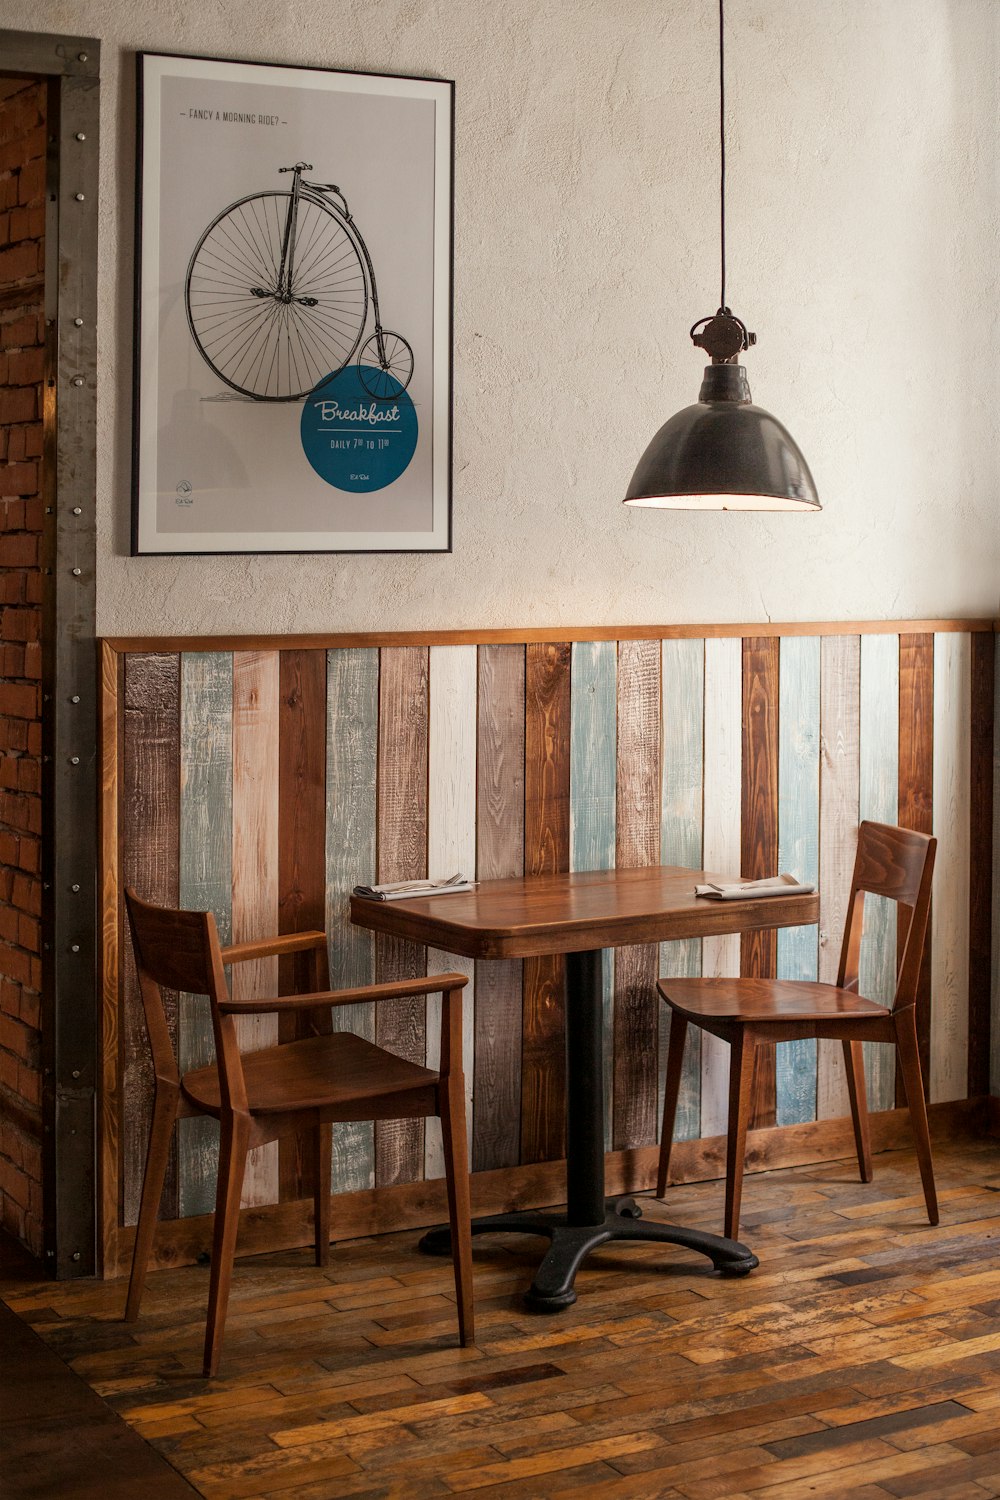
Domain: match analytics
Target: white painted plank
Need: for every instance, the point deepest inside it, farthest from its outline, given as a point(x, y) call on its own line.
point(205, 883)
point(451, 841)
point(721, 847)
point(798, 852)
point(840, 672)
point(351, 769)
point(950, 908)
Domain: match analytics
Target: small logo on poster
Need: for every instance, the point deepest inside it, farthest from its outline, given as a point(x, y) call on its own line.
point(353, 441)
point(184, 489)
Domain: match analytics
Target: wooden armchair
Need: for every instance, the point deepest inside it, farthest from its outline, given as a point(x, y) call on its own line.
point(891, 862)
point(322, 1077)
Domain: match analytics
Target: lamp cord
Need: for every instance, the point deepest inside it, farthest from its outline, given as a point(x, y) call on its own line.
point(722, 153)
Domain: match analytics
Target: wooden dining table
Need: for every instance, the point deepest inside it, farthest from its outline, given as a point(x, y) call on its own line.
point(579, 915)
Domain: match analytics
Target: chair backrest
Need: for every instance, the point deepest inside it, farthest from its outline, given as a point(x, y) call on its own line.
point(179, 950)
point(896, 863)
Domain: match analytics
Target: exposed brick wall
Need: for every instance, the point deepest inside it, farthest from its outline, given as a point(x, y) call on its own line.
point(22, 338)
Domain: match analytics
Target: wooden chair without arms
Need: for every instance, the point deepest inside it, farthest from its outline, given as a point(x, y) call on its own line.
point(891, 862)
point(321, 1077)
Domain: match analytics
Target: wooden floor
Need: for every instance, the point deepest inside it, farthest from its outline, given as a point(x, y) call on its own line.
point(860, 1360)
point(57, 1437)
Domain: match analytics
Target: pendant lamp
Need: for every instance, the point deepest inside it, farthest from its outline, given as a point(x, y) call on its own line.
point(723, 453)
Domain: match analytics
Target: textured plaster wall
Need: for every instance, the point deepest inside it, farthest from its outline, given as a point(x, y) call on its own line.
point(863, 250)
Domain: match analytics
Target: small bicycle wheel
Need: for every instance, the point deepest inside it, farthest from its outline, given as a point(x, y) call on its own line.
point(269, 342)
point(385, 372)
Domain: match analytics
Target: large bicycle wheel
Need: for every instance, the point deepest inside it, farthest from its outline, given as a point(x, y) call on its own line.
point(385, 365)
point(260, 339)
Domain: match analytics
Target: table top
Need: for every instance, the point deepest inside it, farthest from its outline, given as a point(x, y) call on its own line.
point(570, 913)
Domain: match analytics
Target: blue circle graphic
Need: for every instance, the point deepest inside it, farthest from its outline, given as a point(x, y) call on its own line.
point(354, 442)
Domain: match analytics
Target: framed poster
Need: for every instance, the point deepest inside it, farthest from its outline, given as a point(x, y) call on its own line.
point(293, 310)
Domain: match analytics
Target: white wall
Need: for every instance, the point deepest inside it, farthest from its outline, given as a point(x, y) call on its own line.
point(863, 250)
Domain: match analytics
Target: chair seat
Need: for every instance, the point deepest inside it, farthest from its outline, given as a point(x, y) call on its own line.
point(766, 1000)
point(313, 1073)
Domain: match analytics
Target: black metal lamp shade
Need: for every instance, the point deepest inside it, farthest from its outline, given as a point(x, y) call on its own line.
point(723, 453)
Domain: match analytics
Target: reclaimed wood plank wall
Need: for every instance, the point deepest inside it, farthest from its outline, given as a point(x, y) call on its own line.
point(265, 783)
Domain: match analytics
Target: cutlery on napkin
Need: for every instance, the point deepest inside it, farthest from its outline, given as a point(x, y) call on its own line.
point(746, 890)
point(400, 889)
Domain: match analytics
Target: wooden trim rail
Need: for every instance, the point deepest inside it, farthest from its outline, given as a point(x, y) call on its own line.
point(521, 635)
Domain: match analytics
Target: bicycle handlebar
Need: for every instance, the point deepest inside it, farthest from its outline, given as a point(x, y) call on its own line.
point(300, 166)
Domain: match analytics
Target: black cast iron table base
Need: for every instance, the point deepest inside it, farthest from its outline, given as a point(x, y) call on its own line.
point(552, 1289)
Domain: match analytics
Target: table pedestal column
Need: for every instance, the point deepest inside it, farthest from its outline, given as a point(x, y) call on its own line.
point(590, 1219)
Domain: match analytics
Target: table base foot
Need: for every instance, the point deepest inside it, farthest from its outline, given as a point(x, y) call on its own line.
point(552, 1289)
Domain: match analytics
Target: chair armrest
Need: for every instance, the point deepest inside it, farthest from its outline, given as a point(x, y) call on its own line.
point(292, 942)
point(392, 989)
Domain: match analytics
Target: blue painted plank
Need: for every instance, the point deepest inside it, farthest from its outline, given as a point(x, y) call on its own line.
point(592, 812)
point(798, 852)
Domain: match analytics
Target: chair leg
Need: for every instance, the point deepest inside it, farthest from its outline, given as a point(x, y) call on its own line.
point(157, 1156)
point(854, 1063)
point(456, 1168)
point(909, 1064)
point(233, 1143)
point(741, 1061)
point(671, 1092)
point(322, 1162)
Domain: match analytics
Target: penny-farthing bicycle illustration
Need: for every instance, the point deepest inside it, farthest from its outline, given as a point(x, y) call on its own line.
point(277, 294)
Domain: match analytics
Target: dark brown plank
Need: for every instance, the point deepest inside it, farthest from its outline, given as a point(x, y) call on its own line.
point(301, 853)
point(496, 1120)
point(402, 855)
point(981, 873)
point(916, 794)
point(759, 950)
point(546, 850)
point(150, 824)
point(637, 844)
